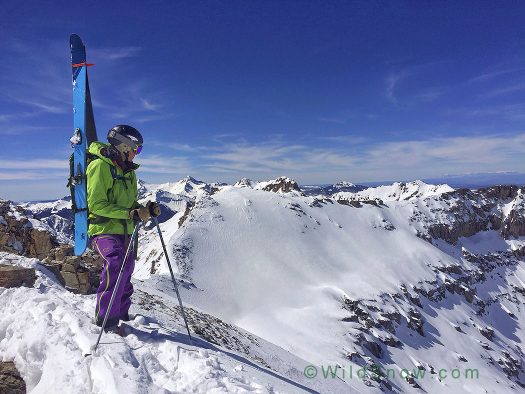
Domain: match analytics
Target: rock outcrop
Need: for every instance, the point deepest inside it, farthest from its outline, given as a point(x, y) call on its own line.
point(79, 274)
point(281, 185)
point(18, 235)
point(10, 380)
point(14, 276)
point(463, 213)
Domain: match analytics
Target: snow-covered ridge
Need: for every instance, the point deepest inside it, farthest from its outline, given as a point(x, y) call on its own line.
point(398, 191)
point(329, 190)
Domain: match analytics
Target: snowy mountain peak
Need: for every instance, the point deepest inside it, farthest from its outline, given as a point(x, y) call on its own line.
point(282, 184)
point(245, 182)
point(344, 184)
point(398, 191)
point(190, 179)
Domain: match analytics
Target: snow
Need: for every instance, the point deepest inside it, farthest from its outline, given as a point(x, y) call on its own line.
point(47, 331)
point(330, 263)
point(397, 191)
point(485, 242)
point(276, 268)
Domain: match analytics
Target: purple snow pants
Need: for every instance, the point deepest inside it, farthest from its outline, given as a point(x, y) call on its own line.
point(112, 250)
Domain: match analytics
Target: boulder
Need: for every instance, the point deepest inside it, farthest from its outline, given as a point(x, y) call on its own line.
point(14, 276)
point(78, 274)
point(39, 244)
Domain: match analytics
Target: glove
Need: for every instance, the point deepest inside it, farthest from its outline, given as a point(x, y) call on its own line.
point(154, 209)
point(141, 213)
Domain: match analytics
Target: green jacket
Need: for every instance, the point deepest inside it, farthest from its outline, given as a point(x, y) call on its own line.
point(109, 201)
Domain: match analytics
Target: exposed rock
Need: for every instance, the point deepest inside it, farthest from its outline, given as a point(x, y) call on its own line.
point(487, 332)
point(10, 380)
point(18, 236)
point(79, 274)
point(187, 211)
point(500, 191)
point(512, 366)
point(370, 345)
point(352, 203)
point(351, 319)
point(514, 224)
point(451, 233)
point(245, 182)
point(391, 341)
point(415, 321)
point(282, 185)
point(40, 244)
point(14, 276)
point(463, 213)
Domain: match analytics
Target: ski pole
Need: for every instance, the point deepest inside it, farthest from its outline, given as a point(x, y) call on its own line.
point(172, 276)
point(135, 234)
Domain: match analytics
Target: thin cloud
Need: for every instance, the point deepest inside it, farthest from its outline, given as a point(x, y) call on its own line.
point(184, 147)
point(19, 129)
point(266, 158)
point(148, 105)
point(28, 175)
point(513, 112)
point(430, 94)
point(505, 90)
point(115, 53)
point(494, 74)
point(409, 159)
point(346, 139)
point(47, 107)
point(153, 117)
point(392, 82)
point(39, 164)
point(332, 120)
point(468, 151)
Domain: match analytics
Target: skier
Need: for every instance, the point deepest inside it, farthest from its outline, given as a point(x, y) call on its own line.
point(113, 212)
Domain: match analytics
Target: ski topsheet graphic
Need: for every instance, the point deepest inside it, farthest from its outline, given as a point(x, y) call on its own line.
point(84, 133)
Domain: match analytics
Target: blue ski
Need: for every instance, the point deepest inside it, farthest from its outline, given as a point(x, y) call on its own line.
point(84, 133)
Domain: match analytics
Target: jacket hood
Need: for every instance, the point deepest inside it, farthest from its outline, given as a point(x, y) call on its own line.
point(95, 149)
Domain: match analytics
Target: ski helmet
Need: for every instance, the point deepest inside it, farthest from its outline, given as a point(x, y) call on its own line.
point(125, 138)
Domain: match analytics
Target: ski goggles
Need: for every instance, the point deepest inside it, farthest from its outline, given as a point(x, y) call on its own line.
point(138, 149)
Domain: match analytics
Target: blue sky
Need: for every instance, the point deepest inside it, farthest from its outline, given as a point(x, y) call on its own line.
point(320, 91)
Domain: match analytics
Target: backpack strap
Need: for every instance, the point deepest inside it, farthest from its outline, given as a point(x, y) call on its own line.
point(117, 177)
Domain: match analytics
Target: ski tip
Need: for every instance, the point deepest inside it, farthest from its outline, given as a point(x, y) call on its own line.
point(75, 41)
